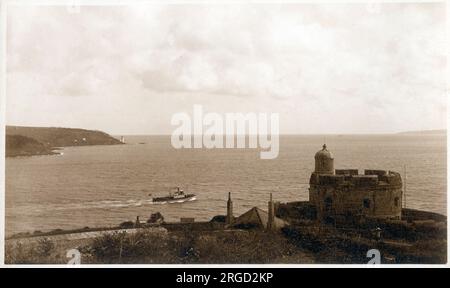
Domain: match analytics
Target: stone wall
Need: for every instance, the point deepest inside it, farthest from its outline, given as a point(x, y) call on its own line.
point(377, 194)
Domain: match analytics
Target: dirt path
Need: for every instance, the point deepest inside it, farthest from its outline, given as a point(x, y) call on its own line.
point(81, 235)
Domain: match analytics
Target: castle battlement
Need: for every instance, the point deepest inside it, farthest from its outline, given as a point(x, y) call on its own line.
point(351, 177)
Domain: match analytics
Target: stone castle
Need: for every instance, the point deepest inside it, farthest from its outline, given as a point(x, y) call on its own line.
point(345, 195)
point(335, 196)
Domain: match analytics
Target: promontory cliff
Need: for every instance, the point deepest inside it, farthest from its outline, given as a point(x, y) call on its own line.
point(28, 141)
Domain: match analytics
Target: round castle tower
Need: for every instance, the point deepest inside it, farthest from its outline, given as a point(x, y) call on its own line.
point(346, 195)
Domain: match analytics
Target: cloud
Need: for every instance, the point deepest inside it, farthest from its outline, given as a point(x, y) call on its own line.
point(314, 62)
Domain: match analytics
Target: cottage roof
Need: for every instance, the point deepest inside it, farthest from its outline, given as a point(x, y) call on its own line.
point(258, 218)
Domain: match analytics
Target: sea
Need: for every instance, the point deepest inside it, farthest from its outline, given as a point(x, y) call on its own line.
point(102, 186)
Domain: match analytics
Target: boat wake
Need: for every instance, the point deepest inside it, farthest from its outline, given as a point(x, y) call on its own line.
point(174, 201)
point(106, 204)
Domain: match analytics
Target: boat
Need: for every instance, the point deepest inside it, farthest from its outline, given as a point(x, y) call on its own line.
point(176, 197)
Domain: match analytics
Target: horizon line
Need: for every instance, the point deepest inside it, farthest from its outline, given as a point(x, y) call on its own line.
point(281, 134)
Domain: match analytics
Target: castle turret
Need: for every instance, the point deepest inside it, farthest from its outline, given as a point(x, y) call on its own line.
point(271, 216)
point(324, 161)
point(229, 218)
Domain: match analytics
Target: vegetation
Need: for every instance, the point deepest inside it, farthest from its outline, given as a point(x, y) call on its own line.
point(148, 247)
point(26, 141)
point(40, 252)
point(187, 247)
point(331, 245)
point(127, 225)
point(297, 244)
point(422, 240)
point(18, 145)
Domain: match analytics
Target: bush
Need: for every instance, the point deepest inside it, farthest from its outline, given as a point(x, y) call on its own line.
point(190, 247)
point(44, 247)
point(40, 252)
point(119, 247)
point(219, 219)
point(126, 225)
point(252, 246)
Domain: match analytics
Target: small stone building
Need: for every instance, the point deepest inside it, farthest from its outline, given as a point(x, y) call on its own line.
point(346, 195)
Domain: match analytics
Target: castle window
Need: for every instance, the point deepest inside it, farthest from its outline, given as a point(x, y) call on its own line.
point(396, 201)
point(366, 203)
point(328, 204)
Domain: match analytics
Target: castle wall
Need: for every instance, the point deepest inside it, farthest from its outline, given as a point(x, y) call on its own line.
point(376, 194)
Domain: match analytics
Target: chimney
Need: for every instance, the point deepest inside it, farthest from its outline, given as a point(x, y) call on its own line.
point(229, 219)
point(271, 212)
point(138, 222)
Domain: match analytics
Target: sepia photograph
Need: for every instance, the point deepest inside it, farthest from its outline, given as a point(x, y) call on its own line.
point(300, 133)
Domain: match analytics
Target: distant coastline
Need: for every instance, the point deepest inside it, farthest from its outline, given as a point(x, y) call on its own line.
point(424, 132)
point(30, 141)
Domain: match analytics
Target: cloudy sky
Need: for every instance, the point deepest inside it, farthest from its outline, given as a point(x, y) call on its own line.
point(325, 68)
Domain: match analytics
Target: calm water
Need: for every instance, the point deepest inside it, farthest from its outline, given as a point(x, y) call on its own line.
point(106, 185)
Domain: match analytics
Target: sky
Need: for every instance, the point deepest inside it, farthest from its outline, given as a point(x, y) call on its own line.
point(325, 68)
